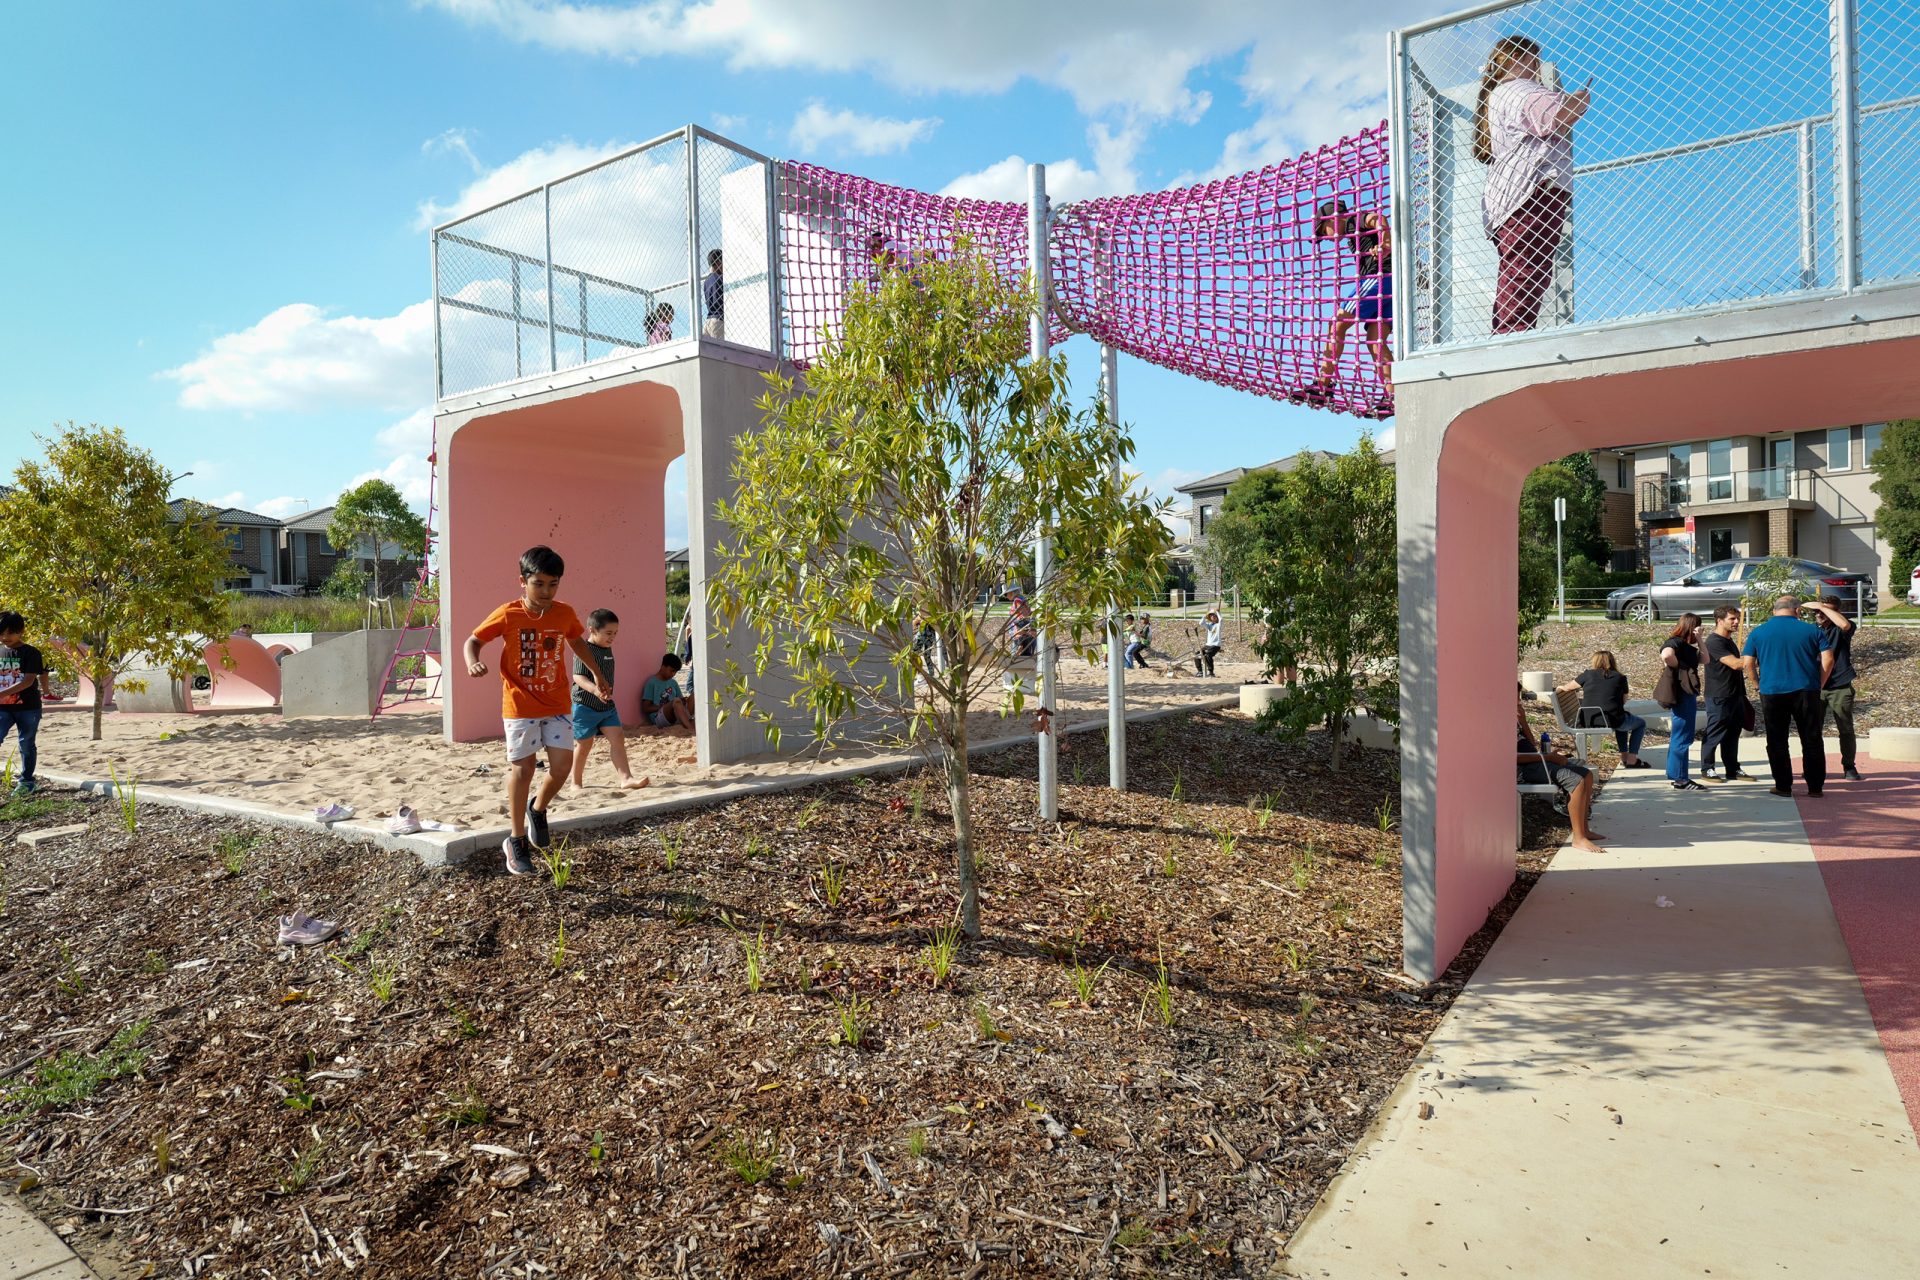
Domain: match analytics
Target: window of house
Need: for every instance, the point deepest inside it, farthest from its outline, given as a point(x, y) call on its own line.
point(235, 539)
point(1206, 514)
point(1623, 473)
point(1870, 442)
point(326, 548)
point(1719, 470)
point(1719, 547)
point(1679, 465)
point(1840, 449)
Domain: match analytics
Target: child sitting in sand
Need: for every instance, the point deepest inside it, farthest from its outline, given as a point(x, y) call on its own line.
point(535, 630)
point(593, 715)
point(661, 701)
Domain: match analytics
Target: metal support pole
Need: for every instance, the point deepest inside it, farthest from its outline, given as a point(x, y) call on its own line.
point(695, 321)
point(439, 373)
point(1846, 146)
point(517, 370)
point(1809, 246)
point(774, 336)
point(546, 208)
point(1047, 743)
point(1559, 554)
point(1116, 642)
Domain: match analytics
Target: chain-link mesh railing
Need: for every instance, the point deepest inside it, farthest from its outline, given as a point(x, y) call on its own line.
point(1887, 64)
point(1702, 168)
point(659, 244)
point(838, 232)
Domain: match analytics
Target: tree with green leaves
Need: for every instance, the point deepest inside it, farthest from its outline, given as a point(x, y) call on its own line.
point(881, 509)
point(1898, 486)
point(374, 515)
point(1576, 479)
point(1776, 576)
point(93, 556)
point(1315, 553)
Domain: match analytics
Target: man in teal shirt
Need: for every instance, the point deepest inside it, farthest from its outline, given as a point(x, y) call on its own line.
point(1783, 657)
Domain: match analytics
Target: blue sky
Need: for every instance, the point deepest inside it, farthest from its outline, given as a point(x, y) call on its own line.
point(219, 209)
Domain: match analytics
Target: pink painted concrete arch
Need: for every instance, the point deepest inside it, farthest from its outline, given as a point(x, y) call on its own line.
point(583, 474)
point(1464, 665)
point(243, 673)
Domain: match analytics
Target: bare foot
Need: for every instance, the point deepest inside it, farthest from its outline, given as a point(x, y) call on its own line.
point(1591, 846)
point(634, 784)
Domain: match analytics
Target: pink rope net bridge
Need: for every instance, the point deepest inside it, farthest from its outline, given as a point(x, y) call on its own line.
point(1276, 281)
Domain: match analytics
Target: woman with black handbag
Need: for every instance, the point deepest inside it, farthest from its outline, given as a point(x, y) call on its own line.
point(1679, 692)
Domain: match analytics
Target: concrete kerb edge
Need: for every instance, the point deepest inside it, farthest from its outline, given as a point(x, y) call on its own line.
point(451, 849)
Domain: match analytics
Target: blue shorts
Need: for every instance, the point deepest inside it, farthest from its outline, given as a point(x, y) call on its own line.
point(1370, 301)
point(587, 723)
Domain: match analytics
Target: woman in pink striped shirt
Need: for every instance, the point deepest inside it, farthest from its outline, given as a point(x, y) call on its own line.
point(1524, 131)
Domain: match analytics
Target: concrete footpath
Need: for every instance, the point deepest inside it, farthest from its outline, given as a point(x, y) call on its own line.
point(28, 1247)
point(1629, 1089)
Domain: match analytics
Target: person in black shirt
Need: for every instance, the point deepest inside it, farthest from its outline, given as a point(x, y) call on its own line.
point(713, 291)
point(1723, 692)
point(1603, 695)
point(1836, 678)
point(23, 677)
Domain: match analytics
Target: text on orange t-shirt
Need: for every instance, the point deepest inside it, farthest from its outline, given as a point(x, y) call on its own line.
point(533, 659)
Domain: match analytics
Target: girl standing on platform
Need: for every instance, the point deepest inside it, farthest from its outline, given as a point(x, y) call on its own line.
point(1524, 130)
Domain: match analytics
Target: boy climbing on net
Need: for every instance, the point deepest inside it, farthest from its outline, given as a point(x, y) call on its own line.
point(536, 630)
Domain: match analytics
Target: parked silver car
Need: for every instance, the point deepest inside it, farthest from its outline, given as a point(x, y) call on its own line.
point(1725, 581)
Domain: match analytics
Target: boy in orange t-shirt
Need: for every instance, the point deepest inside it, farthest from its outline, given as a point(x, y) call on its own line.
point(536, 694)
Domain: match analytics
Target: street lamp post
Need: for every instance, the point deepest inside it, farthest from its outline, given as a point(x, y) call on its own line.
point(1559, 558)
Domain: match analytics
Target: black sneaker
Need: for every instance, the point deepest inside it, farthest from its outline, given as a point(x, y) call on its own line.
point(1852, 774)
point(1785, 793)
point(1688, 784)
point(537, 826)
point(519, 863)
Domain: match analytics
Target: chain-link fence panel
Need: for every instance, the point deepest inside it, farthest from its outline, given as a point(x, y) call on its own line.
point(1888, 71)
point(622, 257)
point(1590, 161)
point(732, 244)
point(491, 281)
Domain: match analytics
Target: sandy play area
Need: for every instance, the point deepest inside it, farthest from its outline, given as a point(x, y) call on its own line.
point(377, 766)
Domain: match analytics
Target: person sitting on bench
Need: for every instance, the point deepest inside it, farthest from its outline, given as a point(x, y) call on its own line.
point(1535, 768)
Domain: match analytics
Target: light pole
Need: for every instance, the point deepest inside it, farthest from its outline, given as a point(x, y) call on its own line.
point(1559, 559)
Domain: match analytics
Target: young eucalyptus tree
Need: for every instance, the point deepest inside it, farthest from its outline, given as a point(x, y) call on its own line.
point(883, 509)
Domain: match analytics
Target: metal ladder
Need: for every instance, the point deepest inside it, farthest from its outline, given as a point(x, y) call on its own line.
point(407, 682)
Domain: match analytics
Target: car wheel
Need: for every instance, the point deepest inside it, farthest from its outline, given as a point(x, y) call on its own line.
point(1640, 610)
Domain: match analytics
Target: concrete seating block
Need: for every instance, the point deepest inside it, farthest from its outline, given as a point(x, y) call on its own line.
point(1537, 681)
point(1367, 730)
point(1255, 698)
point(339, 677)
point(1901, 745)
point(163, 693)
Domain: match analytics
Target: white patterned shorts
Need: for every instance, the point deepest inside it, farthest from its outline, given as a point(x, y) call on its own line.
point(526, 737)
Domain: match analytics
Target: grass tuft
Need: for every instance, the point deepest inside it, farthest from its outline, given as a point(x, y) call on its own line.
point(750, 1156)
point(72, 1077)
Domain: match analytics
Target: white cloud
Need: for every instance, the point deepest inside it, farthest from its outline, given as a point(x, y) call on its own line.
point(406, 444)
point(282, 508)
point(1109, 54)
point(1112, 173)
point(819, 127)
point(1385, 438)
point(455, 142)
point(299, 357)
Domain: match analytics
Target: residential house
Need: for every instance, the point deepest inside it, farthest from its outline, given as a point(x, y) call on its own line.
point(307, 558)
point(1804, 493)
point(253, 542)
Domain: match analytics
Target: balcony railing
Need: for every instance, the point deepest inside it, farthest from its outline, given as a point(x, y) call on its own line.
point(610, 260)
point(1732, 153)
point(1771, 484)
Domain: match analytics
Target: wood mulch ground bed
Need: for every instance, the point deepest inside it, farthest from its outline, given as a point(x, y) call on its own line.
point(491, 1076)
